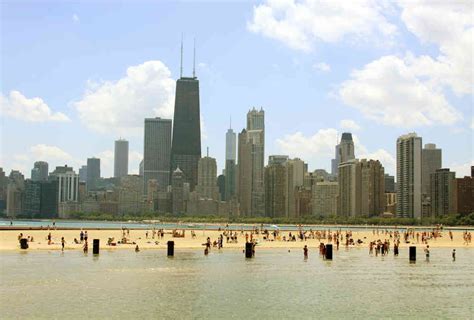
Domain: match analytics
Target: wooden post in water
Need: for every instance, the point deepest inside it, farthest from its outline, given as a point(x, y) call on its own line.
point(248, 250)
point(329, 252)
point(170, 248)
point(95, 246)
point(412, 254)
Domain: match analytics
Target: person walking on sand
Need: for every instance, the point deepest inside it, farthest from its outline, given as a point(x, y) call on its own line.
point(62, 243)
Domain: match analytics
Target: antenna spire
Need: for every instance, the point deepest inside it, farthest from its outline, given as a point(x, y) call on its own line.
point(208, 152)
point(194, 59)
point(230, 125)
point(181, 65)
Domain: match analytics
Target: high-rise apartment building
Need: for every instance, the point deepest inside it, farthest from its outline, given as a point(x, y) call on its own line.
point(389, 183)
point(186, 146)
point(251, 190)
point(121, 158)
point(325, 196)
point(441, 192)
point(409, 176)
point(463, 194)
point(83, 174)
point(40, 171)
point(431, 160)
point(230, 161)
point(177, 191)
point(157, 152)
point(344, 152)
point(361, 188)
point(207, 179)
point(93, 173)
point(295, 178)
point(276, 187)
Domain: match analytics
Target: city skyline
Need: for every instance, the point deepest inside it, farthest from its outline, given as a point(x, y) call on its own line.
point(280, 75)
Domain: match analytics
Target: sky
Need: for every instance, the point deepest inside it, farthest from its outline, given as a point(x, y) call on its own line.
point(76, 76)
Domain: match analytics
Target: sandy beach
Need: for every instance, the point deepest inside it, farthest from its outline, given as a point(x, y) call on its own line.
point(9, 240)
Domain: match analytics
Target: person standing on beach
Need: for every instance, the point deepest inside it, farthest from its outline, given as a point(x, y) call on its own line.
point(427, 252)
point(49, 238)
point(85, 236)
point(86, 247)
point(81, 235)
point(62, 243)
point(454, 254)
point(305, 252)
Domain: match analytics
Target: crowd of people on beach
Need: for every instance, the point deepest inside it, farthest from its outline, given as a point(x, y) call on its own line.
point(382, 246)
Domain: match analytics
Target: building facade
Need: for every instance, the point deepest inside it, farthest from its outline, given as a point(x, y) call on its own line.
point(156, 152)
point(186, 143)
point(275, 189)
point(121, 158)
point(409, 176)
point(207, 179)
point(40, 171)
point(325, 197)
point(93, 173)
point(441, 192)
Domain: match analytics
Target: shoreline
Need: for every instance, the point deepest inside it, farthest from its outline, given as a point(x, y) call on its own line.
point(9, 239)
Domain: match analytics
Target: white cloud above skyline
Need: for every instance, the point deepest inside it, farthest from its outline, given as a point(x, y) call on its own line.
point(301, 24)
point(119, 107)
point(19, 107)
point(389, 92)
point(349, 125)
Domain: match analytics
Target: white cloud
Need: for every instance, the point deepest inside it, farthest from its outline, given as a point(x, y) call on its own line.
point(54, 155)
point(388, 91)
point(386, 158)
point(106, 163)
point(322, 67)
point(134, 161)
point(319, 149)
point(45, 152)
point(349, 125)
point(462, 169)
point(120, 106)
point(450, 26)
point(75, 18)
point(300, 24)
point(17, 106)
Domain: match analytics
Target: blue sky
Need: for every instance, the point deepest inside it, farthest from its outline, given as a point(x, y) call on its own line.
point(376, 69)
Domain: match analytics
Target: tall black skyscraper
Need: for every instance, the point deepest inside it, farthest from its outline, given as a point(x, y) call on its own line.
point(186, 144)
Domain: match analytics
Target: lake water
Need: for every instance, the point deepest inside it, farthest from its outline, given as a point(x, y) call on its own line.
point(122, 284)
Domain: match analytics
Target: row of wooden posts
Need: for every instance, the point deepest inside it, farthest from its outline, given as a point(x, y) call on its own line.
point(250, 250)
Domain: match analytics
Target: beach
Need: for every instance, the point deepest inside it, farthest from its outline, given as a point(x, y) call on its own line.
point(9, 239)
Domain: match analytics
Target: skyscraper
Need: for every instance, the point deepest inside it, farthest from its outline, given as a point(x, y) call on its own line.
point(83, 174)
point(409, 176)
point(346, 148)
point(121, 158)
point(441, 192)
point(361, 188)
point(207, 179)
point(40, 171)
point(251, 165)
point(276, 187)
point(186, 145)
point(430, 162)
point(344, 152)
point(230, 157)
point(294, 180)
point(156, 152)
point(93, 173)
point(177, 191)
